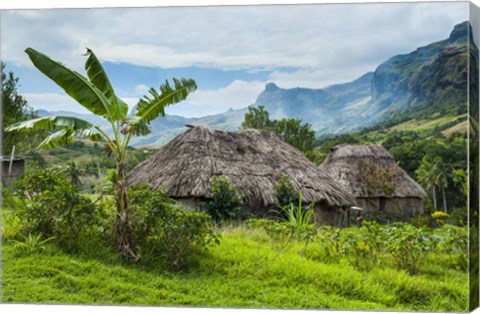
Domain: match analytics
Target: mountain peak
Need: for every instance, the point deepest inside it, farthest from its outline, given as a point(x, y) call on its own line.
point(271, 86)
point(459, 31)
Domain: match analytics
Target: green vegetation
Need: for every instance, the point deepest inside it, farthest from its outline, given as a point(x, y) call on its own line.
point(51, 207)
point(422, 150)
point(15, 108)
point(225, 203)
point(286, 192)
point(243, 271)
point(96, 94)
point(168, 235)
point(292, 131)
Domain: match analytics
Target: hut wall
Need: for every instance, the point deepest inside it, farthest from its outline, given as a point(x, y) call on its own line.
point(18, 167)
point(333, 216)
point(191, 203)
point(409, 206)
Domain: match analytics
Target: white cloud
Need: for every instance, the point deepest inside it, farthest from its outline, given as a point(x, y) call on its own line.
point(237, 95)
point(53, 102)
point(313, 37)
point(141, 89)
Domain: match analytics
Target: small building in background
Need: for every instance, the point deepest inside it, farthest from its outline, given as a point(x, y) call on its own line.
point(378, 183)
point(10, 173)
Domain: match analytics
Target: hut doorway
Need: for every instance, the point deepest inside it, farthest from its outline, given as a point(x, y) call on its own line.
point(382, 203)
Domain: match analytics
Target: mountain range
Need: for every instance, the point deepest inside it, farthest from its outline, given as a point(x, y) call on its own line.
point(431, 79)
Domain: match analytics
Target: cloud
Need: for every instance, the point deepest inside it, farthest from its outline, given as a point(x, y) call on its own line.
point(237, 95)
point(314, 37)
point(53, 102)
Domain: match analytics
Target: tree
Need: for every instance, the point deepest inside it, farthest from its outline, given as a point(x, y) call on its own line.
point(15, 109)
point(441, 179)
point(291, 131)
point(257, 118)
point(296, 134)
point(97, 95)
point(426, 176)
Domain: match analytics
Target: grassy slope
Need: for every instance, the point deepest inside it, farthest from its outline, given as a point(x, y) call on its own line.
point(422, 125)
point(243, 271)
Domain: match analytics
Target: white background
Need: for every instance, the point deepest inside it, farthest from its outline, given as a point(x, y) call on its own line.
point(56, 309)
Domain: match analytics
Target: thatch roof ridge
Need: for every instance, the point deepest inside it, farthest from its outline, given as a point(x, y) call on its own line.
point(254, 160)
point(345, 162)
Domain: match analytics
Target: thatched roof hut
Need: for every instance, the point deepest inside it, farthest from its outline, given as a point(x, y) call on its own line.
point(374, 178)
point(253, 160)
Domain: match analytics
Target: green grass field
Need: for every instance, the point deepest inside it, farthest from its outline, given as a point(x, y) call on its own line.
point(243, 271)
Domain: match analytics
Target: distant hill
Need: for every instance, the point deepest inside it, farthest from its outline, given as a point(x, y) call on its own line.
point(413, 86)
point(430, 79)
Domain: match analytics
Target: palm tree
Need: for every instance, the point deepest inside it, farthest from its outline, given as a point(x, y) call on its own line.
point(426, 176)
point(97, 95)
point(441, 179)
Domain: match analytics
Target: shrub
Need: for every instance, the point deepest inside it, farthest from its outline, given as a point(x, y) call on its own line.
point(300, 225)
point(420, 221)
point(11, 225)
point(286, 192)
point(280, 233)
point(330, 245)
point(225, 204)
point(363, 247)
point(409, 245)
point(454, 241)
point(459, 217)
point(167, 233)
point(440, 217)
point(31, 244)
point(53, 207)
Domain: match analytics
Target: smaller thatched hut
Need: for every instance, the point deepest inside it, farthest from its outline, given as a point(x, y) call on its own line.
point(253, 160)
point(375, 179)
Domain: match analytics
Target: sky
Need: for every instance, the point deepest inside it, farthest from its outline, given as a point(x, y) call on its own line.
point(230, 51)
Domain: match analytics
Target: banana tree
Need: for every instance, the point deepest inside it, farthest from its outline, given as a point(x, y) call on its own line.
point(97, 95)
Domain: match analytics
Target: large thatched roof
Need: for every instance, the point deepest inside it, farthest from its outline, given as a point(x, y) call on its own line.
point(253, 160)
point(370, 171)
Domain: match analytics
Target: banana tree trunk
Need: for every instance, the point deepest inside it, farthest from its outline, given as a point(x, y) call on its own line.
point(444, 200)
point(434, 198)
point(122, 229)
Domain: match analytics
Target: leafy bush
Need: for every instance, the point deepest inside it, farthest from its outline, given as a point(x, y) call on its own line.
point(300, 225)
point(454, 242)
point(420, 221)
point(330, 244)
point(286, 192)
point(11, 225)
point(459, 217)
point(408, 245)
point(53, 207)
point(31, 244)
point(280, 233)
point(440, 217)
point(225, 204)
point(363, 248)
point(167, 233)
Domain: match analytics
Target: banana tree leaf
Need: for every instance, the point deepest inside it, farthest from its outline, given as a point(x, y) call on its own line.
point(139, 125)
point(75, 85)
point(50, 123)
point(88, 133)
point(99, 78)
point(149, 108)
point(57, 139)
